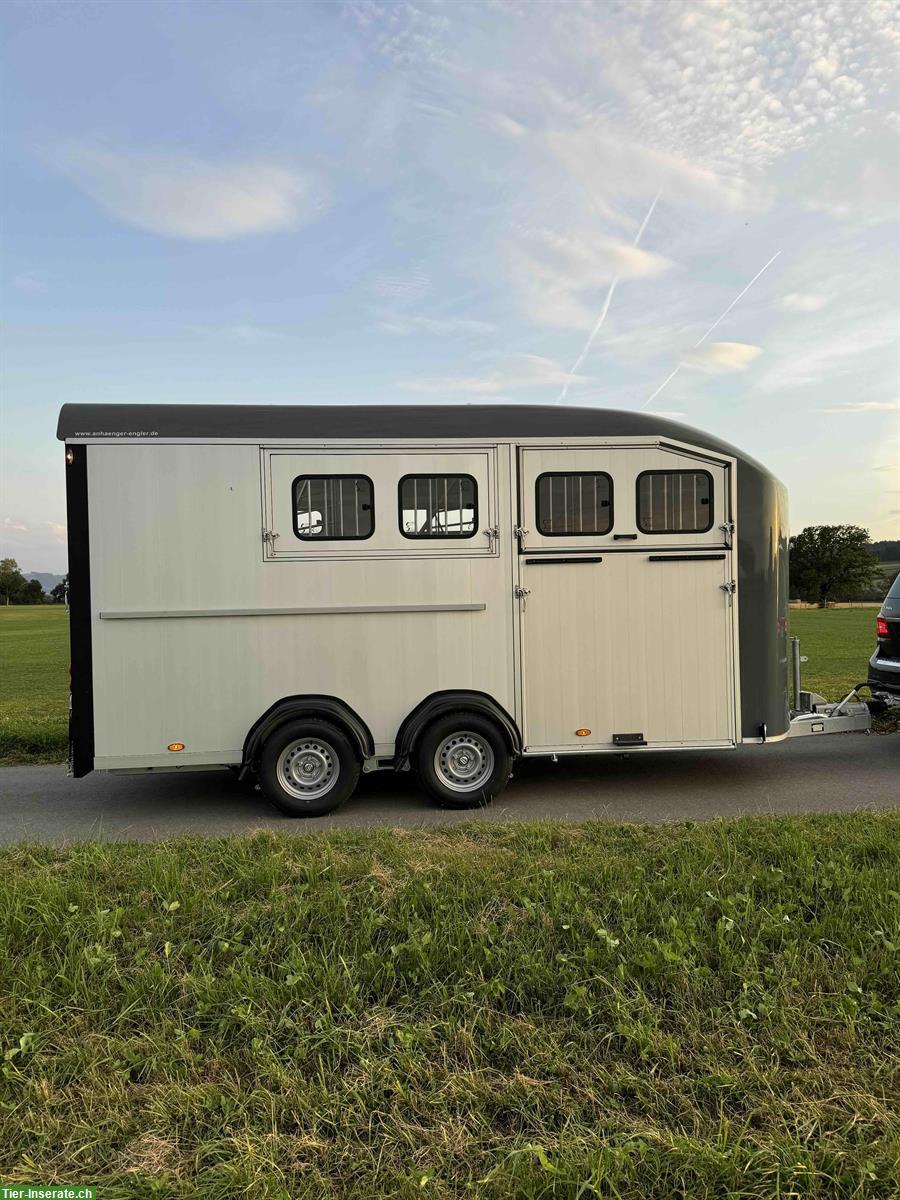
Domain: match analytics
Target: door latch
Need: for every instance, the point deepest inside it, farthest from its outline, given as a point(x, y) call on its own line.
point(727, 529)
point(521, 593)
point(520, 533)
point(492, 533)
point(269, 537)
point(730, 587)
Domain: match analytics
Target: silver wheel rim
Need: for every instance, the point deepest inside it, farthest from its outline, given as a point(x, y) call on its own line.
point(308, 768)
point(464, 761)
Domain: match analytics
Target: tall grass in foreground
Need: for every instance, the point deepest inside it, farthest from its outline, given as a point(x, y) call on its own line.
point(533, 1010)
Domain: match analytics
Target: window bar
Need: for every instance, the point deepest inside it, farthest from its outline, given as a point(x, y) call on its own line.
point(596, 490)
point(357, 489)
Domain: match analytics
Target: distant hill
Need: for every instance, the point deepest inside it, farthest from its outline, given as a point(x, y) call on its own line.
point(48, 582)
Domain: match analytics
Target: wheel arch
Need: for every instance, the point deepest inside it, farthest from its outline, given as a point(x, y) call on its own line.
point(439, 703)
point(290, 708)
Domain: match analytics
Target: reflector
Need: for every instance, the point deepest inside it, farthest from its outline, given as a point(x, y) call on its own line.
point(176, 745)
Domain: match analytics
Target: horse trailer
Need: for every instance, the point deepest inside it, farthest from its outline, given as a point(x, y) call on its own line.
point(306, 593)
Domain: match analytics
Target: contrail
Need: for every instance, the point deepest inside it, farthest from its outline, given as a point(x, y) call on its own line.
point(718, 321)
point(609, 295)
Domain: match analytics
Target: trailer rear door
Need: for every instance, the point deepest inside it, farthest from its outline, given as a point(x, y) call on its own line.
point(626, 605)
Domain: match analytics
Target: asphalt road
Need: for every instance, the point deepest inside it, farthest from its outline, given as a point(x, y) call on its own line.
point(833, 773)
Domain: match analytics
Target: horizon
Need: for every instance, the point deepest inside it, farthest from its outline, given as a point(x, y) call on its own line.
point(688, 210)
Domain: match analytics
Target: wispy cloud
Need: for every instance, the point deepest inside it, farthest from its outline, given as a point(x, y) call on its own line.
point(802, 302)
point(719, 358)
point(57, 531)
point(186, 197)
point(14, 525)
point(30, 283)
point(400, 325)
point(864, 406)
point(522, 372)
point(556, 274)
point(838, 352)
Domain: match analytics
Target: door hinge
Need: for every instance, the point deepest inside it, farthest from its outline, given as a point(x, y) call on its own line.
point(730, 587)
point(268, 537)
point(492, 533)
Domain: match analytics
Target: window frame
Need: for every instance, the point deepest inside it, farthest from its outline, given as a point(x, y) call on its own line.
point(568, 475)
point(345, 537)
point(436, 537)
point(679, 471)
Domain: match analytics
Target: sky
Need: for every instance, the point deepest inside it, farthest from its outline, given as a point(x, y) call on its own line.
point(686, 208)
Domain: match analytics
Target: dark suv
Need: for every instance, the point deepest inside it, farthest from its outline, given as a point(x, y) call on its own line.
point(884, 665)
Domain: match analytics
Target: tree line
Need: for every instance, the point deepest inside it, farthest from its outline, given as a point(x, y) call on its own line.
point(839, 562)
point(16, 589)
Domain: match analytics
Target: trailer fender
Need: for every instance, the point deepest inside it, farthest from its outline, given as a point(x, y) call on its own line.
point(328, 708)
point(439, 703)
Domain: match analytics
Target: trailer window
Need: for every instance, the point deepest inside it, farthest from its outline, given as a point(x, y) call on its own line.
point(674, 502)
point(333, 507)
point(438, 506)
point(573, 504)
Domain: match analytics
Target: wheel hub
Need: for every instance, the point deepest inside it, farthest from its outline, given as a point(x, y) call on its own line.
point(308, 768)
point(464, 761)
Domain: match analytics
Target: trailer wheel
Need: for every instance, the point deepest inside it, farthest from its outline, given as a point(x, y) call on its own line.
point(462, 760)
point(308, 768)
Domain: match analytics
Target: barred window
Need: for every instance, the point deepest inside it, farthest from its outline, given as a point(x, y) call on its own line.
point(574, 504)
point(674, 502)
point(438, 506)
point(333, 507)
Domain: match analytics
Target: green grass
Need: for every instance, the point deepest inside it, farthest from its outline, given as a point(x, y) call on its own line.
point(493, 1011)
point(34, 683)
point(838, 643)
point(34, 664)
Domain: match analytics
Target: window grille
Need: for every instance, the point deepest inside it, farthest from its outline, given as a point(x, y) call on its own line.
point(438, 506)
point(574, 505)
point(333, 507)
point(674, 502)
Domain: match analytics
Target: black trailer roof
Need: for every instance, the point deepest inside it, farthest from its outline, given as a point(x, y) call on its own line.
point(118, 422)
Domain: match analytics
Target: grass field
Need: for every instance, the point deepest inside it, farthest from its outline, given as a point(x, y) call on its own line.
point(498, 1011)
point(34, 664)
point(34, 683)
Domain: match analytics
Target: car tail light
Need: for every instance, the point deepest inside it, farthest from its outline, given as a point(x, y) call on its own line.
point(881, 627)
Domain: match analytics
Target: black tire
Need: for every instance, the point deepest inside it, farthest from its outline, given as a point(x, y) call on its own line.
point(482, 765)
point(319, 748)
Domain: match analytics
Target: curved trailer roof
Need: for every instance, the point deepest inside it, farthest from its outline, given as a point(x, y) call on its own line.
point(117, 422)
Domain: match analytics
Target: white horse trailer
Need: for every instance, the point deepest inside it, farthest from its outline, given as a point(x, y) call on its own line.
point(305, 593)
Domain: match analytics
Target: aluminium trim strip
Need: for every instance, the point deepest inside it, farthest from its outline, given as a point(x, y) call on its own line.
point(325, 610)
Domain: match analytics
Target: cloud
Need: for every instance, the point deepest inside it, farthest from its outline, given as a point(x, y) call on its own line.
point(839, 353)
point(719, 358)
point(864, 406)
point(401, 288)
point(58, 532)
point(555, 274)
point(31, 283)
point(13, 525)
point(802, 302)
point(523, 371)
point(403, 326)
point(179, 196)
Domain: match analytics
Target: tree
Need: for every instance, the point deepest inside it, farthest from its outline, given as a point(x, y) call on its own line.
point(59, 593)
point(830, 562)
point(12, 582)
point(33, 593)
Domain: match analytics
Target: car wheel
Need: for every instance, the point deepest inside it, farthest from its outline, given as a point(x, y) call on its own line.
point(308, 768)
point(462, 760)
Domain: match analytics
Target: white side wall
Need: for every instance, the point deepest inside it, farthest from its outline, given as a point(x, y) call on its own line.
point(178, 527)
